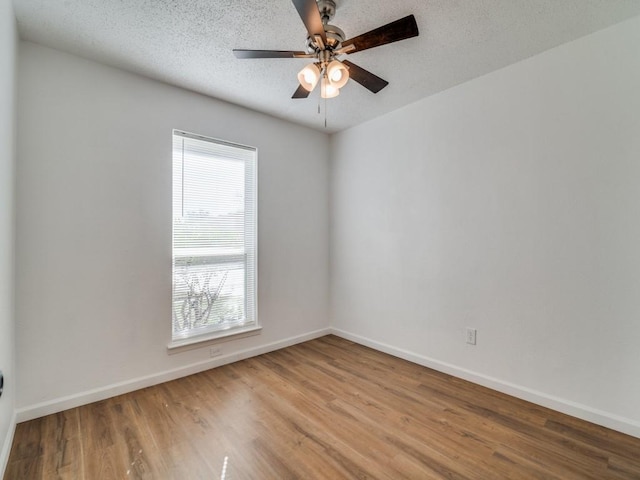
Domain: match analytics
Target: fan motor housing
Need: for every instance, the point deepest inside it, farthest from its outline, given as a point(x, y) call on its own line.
point(335, 37)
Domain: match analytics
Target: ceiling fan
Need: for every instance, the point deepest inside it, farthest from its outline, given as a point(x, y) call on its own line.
point(326, 43)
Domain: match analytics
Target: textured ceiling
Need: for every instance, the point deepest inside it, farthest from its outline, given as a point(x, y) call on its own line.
point(189, 42)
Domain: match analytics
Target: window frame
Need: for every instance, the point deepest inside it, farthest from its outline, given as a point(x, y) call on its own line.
point(250, 326)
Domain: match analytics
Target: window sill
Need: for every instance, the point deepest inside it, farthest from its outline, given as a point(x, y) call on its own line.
point(177, 346)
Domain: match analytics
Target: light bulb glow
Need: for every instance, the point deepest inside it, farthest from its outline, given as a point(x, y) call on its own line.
point(327, 90)
point(309, 76)
point(338, 74)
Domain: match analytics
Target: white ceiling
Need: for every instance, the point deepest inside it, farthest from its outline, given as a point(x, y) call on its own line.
point(189, 42)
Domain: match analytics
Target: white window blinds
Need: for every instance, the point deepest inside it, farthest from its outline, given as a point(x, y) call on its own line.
point(214, 236)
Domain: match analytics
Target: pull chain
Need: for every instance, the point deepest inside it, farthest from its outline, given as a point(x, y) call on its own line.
point(325, 113)
point(325, 110)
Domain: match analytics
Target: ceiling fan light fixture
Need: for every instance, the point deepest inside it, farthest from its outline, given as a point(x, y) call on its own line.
point(309, 76)
point(326, 43)
point(327, 89)
point(338, 74)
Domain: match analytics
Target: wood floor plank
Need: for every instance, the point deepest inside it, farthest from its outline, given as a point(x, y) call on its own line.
point(62, 446)
point(290, 405)
point(324, 409)
point(30, 440)
point(26, 468)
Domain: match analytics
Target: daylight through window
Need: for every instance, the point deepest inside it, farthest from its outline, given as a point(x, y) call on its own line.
point(214, 237)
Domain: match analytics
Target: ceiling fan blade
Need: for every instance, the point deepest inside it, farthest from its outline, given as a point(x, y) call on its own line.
point(391, 32)
point(301, 92)
point(239, 53)
point(365, 78)
point(310, 15)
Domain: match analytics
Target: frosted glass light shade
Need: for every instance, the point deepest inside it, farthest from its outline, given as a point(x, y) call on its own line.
point(309, 76)
point(327, 90)
point(338, 74)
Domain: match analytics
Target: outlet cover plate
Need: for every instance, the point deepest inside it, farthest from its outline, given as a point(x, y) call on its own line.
point(471, 336)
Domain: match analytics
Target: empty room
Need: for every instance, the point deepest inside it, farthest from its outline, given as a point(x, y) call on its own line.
point(319, 239)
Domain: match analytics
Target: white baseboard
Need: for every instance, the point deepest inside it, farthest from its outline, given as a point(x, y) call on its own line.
point(83, 398)
point(6, 446)
point(584, 412)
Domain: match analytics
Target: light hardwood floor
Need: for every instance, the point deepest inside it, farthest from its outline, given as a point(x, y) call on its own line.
point(326, 409)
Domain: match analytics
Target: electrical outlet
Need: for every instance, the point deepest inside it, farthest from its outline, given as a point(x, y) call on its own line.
point(215, 352)
point(471, 336)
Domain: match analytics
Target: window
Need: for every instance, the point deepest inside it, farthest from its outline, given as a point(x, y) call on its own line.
point(214, 238)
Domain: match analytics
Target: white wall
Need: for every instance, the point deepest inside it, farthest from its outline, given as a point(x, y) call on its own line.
point(510, 204)
point(94, 229)
point(8, 46)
